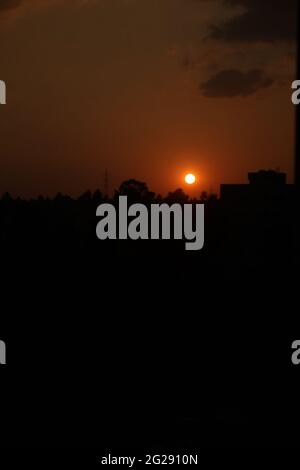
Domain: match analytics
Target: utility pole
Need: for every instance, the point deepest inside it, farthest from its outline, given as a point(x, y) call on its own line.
point(106, 187)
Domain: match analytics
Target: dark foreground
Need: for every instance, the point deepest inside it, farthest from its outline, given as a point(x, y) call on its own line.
point(122, 345)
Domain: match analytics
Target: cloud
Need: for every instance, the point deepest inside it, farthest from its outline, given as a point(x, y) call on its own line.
point(259, 21)
point(6, 5)
point(233, 83)
point(9, 4)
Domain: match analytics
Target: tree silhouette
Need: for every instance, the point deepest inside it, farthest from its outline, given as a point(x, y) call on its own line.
point(86, 196)
point(6, 197)
point(178, 196)
point(97, 196)
point(136, 191)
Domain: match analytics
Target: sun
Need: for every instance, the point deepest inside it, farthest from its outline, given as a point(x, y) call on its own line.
point(190, 178)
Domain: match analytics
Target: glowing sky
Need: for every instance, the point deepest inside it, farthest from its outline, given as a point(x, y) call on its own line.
point(149, 89)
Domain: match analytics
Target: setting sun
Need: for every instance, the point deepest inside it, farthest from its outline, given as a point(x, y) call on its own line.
point(190, 178)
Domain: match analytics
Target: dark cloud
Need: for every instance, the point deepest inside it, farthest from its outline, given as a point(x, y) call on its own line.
point(8, 4)
point(232, 83)
point(260, 20)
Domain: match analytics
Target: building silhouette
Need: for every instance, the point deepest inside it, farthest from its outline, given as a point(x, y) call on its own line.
point(266, 188)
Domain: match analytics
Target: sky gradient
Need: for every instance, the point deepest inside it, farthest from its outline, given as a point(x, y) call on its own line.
point(149, 89)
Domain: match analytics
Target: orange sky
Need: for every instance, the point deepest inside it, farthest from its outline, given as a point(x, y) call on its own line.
point(143, 88)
